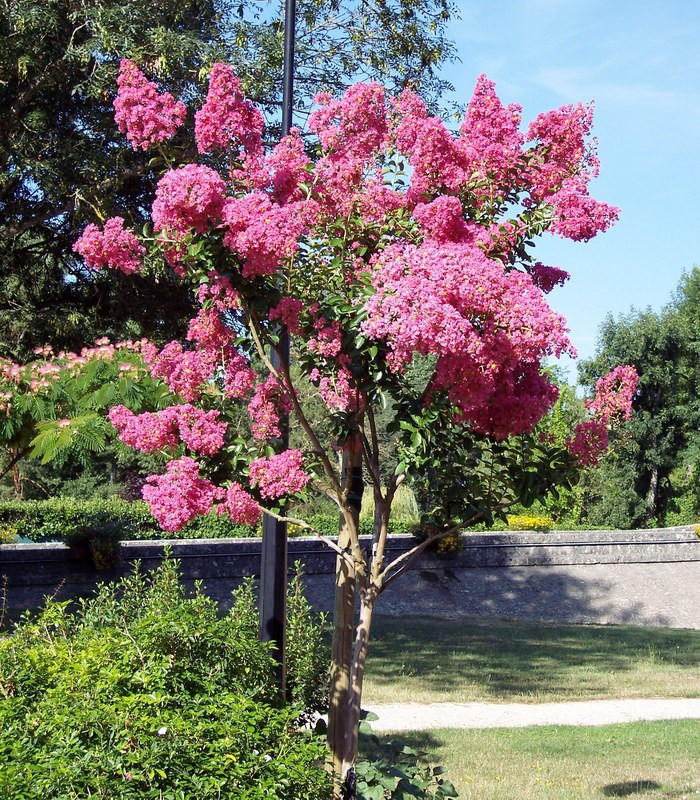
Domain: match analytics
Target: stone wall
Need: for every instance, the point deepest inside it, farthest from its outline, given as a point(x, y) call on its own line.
point(536, 575)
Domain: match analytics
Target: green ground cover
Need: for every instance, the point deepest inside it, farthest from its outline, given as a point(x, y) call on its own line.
point(430, 661)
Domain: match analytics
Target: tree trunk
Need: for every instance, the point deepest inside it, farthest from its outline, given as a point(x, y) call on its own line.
point(17, 481)
point(357, 673)
point(342, 742)
point(652, 498)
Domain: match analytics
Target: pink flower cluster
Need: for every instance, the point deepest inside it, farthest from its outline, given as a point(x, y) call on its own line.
point(114, 247)
point(144, 115)
point(490, 329)
point(239, 505)
point(614, 394)
point(576, 215)
point(189, 198)
point(261, 233)
point(287, 311)
point(239, 378)
point(490, 141)
point(227, 118)
point(180, 495)
point(265, 409)
point(201, 432)
point(589, 442)
point(561, 135)
point(185, 371)
point(611, 404)
point(337, 389)
point(289, 167)
point(442, 220)
point(546, 278)
point(279, 475)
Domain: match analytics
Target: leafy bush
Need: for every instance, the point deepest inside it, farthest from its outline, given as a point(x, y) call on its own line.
point(148, 693)
point(8, 533)
point(390, 770)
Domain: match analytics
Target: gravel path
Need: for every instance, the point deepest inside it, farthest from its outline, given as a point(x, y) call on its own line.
point(414, 716)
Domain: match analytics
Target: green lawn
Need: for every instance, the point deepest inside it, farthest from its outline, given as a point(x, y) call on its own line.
point(637, 760)
point(430, 660)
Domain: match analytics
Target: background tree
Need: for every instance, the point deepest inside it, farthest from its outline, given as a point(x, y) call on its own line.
point(643, 477)
point(62, 162)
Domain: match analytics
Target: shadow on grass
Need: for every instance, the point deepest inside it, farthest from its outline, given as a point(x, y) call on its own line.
point(518, 658)
point(639, 787)
point(629, 787)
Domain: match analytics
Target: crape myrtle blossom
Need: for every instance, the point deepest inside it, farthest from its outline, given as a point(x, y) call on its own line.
point(451, 301)
point(188, 198)
point(227, 119)
point(611, 405)
point(200, 431)
point(113, 247)
point(368, 265)
point(180, 495)
point(239, 505)
point(279, 475)
point(141, 112)
point(614, 394)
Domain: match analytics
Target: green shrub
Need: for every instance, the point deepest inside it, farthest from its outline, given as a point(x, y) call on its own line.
point(391, 770)
point(148, 693)
point(8, 533)
point(67, 519)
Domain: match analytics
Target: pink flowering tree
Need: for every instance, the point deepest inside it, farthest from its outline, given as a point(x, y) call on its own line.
point(394, 249)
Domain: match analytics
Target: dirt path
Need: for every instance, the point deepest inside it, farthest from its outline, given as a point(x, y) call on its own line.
point(414, 716)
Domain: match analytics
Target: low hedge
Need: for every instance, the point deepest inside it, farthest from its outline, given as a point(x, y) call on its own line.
point(67, 519)
point(70, 520)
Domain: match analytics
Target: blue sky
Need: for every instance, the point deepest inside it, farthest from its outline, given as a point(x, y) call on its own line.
point(640, 63)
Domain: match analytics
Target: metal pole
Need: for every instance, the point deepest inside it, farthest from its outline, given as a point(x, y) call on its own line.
point(273, 566)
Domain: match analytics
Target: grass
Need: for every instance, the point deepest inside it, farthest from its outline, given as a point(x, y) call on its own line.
point(430, 661)
point(638, 760)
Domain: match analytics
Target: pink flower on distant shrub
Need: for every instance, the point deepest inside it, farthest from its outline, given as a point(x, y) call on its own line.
point(114, 247)
point(180, 495)
point(614, 394)
point(141, 112)
point(279, 475)
point(589, 442)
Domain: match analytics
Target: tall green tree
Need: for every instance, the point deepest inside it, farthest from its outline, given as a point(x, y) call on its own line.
point(61, 155)
point(633, 486)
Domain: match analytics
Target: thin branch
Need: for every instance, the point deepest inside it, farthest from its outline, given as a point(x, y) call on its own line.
point(408, 558)
point(17, 458)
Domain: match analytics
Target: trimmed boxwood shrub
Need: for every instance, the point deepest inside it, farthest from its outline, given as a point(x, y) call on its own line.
point(103, 523)
point(148, 693)
point(66, 519)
